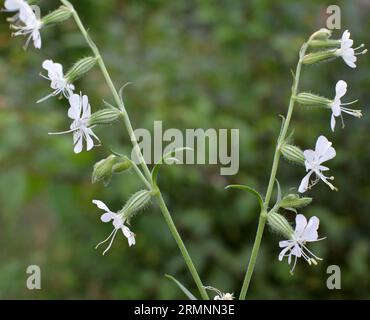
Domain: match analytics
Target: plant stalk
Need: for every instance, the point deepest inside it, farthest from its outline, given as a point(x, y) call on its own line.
point(270, 187)
point(165, 212)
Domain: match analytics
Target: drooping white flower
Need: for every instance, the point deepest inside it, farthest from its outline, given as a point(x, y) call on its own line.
point(21, 7)
point(347, 52)
point(59, 83)
point(80, 112)
point(220, 295)
point(30, 25)
point(118, 223)
point(313, 163)
point(296, 245)
point(337, 106)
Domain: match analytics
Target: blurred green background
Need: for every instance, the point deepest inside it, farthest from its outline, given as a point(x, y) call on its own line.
point(193, 64)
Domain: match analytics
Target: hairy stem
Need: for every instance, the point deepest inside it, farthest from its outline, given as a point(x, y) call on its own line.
point(166, 214)
point(270, 187)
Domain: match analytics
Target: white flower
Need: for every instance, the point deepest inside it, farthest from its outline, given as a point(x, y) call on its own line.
point(58, 82)
point(296, 246)
point(21, 7)
point(30, 25)
point(313, 160)
point(220, 295)
point(346, 51)
point(80, 112)
point(118, 224)
point(337, 106)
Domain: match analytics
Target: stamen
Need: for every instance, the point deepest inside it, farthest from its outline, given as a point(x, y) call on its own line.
point(63, 132)
point(348, 103)
point(105, 239)
point(110, 243)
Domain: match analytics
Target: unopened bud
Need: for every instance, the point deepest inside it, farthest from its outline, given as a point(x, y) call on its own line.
point(310, 99)
point(81, 67)
point(137, 202)
point(322, 34)
point(280, 225)
point(104, 116)
point(294, 201)
point(57, 16)
point(103, 170)
point(293, 153)
point(318, 56)
point(121, 166)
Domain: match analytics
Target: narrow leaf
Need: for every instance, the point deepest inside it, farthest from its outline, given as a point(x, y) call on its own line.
point(182, 287)
point(278, 198)
point(248, 189)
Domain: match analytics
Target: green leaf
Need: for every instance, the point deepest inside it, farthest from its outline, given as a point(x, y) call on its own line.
point(278, 198)
point(248, 189)
point(168, 156)
point(182, 287)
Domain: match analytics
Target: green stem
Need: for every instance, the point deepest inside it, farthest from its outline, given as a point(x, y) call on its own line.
point(270, 187)
point(166, 214)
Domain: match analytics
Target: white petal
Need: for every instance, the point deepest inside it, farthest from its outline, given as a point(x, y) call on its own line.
point(36, 36)
point(300, 224)
point(14, 5)
point(86, 109)
point(340, 89)
point(106, 217)
point(346, 35)
point(129, 235)
point(332, 122)
point(77, 137)
point(47, 64)
point(304, 183)
point(74, 112)
point(89, 140)
point(322, 145)
point(296, 251)
point(310, 232)
point(329, 154)
point(309, 155)
point(283, 252)
point(101, 205)
point(335, 107)
point(284, 243)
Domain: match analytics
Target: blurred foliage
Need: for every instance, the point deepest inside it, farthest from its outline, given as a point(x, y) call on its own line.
point(193, 64)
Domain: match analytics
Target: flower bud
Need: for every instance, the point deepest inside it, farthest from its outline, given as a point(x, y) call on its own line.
point(103, 170)
point(322, 34)
point(310, 99)
point(104, 116)
point(81, 67)
point(279, 224)
point(121, 166)
point(318, 56)
point(137, 202)
point(57, 16)
point(294, 201)
point(293, 153)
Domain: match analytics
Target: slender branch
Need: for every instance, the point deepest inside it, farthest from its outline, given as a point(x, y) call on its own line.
point(166, 214)
point(275, 165)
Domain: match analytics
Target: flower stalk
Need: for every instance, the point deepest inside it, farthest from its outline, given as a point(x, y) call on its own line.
point(275, 165)
point(147, 175)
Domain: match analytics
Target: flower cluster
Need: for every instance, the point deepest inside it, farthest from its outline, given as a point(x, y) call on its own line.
point(313, 160)
point(27, 21)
